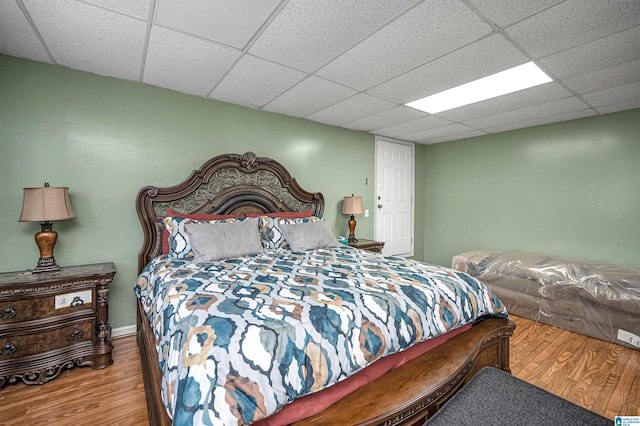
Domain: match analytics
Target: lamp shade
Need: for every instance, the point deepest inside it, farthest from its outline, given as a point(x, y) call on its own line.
point(352, 205)
point(46, 204)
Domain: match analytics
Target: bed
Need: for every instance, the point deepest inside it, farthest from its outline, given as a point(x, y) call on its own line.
point(400, 378)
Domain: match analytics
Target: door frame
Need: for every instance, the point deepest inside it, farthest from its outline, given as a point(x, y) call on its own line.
point(376, 231)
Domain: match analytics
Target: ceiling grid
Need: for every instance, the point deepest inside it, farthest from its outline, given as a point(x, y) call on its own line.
point(352, 64)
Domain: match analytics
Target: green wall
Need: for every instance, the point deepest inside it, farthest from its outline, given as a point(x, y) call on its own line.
point(570, 189)
point(106, 138)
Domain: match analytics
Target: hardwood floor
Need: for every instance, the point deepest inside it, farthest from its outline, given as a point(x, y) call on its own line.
point(112, 396)
point(597, 375)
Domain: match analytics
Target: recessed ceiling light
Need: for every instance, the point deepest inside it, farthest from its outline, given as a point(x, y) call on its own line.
point(508, 81)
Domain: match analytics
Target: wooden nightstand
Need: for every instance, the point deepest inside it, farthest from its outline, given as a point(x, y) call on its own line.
point(370, 245)
point(54, 320)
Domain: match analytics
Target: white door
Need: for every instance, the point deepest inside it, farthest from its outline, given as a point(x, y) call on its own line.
point(394, 196)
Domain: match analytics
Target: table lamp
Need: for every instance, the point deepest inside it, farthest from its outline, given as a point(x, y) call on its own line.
point(43, 205)
point(352, 205)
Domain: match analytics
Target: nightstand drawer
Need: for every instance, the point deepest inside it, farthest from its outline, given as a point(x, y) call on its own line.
point(27, 309)
point(52, 320)
point(20, 345)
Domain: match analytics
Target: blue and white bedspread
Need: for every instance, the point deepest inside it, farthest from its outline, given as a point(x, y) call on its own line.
point(240, 338)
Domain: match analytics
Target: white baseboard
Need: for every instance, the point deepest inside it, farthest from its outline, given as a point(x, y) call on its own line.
point(123, 331)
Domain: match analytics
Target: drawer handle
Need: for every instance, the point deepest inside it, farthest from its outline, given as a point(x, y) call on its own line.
point(8, 313)
point(77, 301)
point(8, 349)
point(77, 334)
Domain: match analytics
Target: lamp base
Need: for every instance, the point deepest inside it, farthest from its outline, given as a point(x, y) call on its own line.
point(352, 230)
point(46, 241)
point(46, 264)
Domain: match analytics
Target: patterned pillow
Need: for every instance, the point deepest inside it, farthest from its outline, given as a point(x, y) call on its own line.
point(196, 216)
point(271, 233)
point(179, 246)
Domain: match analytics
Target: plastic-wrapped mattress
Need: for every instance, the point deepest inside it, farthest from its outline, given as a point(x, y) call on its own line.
point(597, 299)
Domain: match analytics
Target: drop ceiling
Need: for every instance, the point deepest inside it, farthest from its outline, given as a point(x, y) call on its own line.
point(350, 63)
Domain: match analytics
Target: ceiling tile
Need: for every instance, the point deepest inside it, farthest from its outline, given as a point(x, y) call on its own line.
point(506, 12)
point(602, 53)
point(307, 34)
point(17, 38)
point(353, 108)
point(606, 78)
point(616, 95)
point(517, 100)
point(390, 117)
point(450, 130)
point(185, 63)
point(428, 31)
point(229, 22)
point(90, 38)
point(309, 96)
point(414, 126)
point(452, 137)
point(138, 8)
point(254, 82)
point(572, 23)
point(619, 107)
point(476, 60)
point(352, 64)
point(545, 120)
point(548, 109)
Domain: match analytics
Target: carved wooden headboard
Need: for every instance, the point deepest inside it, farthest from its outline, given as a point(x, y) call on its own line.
point(226, 184)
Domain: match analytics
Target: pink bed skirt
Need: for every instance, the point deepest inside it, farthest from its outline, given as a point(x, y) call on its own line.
point(314, 403)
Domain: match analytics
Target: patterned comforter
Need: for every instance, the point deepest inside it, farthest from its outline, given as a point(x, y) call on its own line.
point(240, 338)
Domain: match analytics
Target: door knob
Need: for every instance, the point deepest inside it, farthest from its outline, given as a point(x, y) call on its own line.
point(379, 206)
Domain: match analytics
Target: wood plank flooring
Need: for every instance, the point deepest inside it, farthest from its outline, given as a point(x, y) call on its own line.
point(597, 375)
point(600, 376)
point(112, 396)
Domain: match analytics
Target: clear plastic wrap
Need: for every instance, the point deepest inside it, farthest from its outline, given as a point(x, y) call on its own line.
point(597, 299)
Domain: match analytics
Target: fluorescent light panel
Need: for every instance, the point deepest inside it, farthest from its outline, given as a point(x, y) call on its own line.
point(508, 81)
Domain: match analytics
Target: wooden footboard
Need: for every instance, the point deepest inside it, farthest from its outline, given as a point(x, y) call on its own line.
point(405, 396)
point(411, 394)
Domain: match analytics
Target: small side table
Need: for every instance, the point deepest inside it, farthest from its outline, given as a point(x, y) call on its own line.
point(53, 321)
point(370, 245)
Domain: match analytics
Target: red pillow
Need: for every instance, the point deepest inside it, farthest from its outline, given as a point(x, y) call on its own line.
point(194, 216)
point(283, 215)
